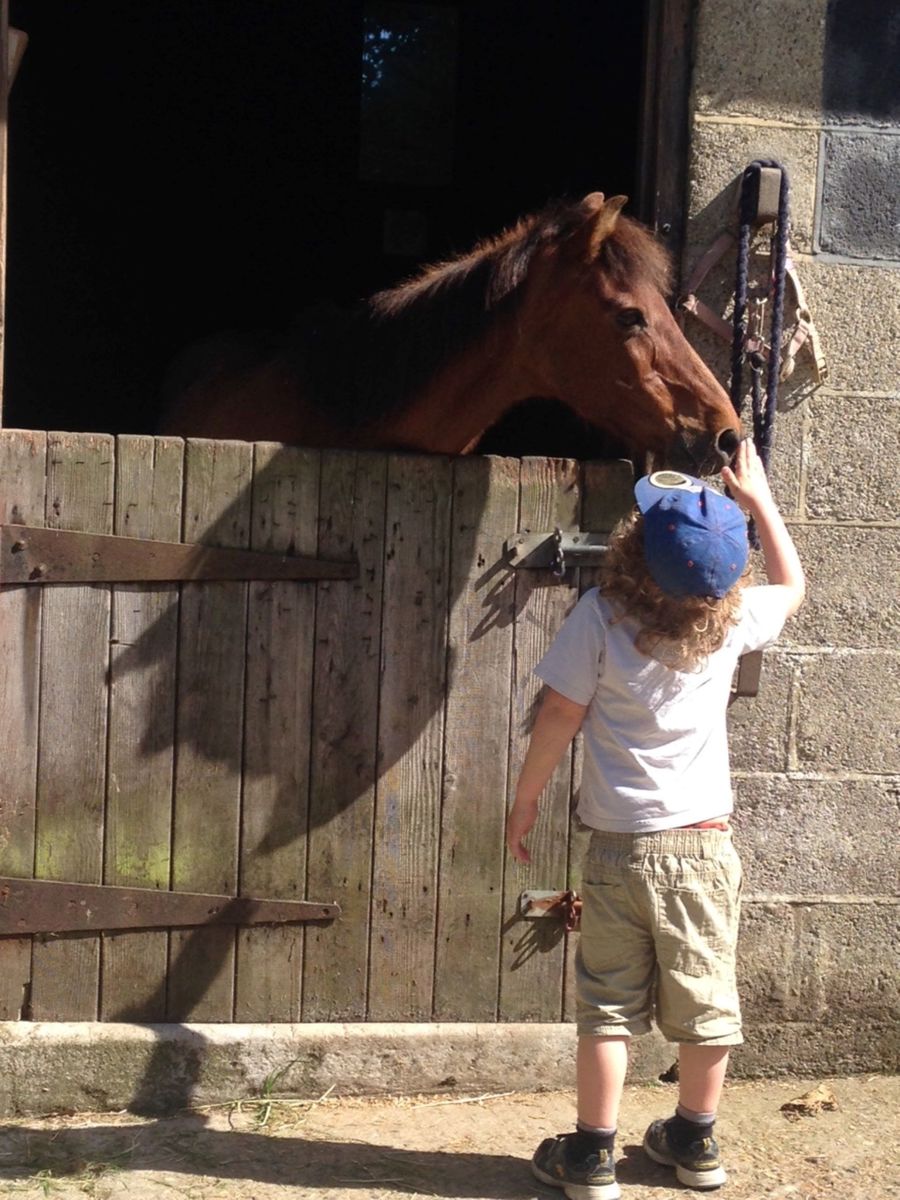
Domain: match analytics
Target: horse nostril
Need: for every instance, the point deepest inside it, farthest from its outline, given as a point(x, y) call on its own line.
point(727, 442)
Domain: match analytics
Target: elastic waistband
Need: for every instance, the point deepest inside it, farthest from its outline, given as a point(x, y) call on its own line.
point(699, 843)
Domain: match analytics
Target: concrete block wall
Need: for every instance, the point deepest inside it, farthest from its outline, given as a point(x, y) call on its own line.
point(816, 754)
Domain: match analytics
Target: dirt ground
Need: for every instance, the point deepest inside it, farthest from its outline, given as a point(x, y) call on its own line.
point(461, 1148)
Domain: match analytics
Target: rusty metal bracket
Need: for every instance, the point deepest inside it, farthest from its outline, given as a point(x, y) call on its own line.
point(43, 556)
point(748, 674)
point(45, 906)
point(768, 195)
point(556, 551)
point(564, 905)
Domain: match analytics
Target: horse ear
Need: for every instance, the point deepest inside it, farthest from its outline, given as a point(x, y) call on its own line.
point(601, 221)
point(591, 204)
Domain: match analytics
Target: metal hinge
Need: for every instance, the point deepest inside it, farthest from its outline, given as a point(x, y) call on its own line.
point(44, 556)
point(45, 906)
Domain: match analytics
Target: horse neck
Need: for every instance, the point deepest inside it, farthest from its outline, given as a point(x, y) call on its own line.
point(466, 397)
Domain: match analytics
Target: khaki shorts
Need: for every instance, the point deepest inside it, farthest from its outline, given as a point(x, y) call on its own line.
point(658, 936)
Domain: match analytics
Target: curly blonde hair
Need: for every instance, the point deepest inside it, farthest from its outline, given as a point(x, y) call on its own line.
point(679, 631)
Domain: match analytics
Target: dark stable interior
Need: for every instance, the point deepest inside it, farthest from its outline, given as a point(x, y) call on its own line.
point(188, 167)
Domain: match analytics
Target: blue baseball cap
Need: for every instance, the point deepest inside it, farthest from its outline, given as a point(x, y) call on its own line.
point(695, 539)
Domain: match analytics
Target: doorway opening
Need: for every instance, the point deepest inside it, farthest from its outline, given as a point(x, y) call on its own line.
point(179, 170)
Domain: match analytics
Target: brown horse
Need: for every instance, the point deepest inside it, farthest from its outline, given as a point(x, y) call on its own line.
point(568, 305)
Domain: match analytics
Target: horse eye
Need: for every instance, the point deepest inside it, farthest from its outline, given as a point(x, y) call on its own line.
point(631, 318)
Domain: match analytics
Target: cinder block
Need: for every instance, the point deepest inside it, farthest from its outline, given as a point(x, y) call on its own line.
point(758, 725)
point(847, 712)
point(850, 439)
point(807, 1048)
point(719, 154)
point(815, 836)
point(786, 460)
point(860, 71)
point(857, 312)
point(819, 962)
point(858, 204)
point(762, 59)
point(851, 595)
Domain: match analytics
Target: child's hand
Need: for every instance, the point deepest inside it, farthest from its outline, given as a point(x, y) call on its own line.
point(747, 480)
point(519, 824)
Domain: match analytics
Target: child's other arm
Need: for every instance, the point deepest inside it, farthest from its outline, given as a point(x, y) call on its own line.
point(558, 720)
point(749, 486)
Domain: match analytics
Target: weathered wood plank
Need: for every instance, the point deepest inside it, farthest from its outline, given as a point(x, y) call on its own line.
point(533, 951)
point(280, 644)
point(606, 497)
point(149, 479)
point(209, 724)
point(22, 480)
point(410, 739)
point(73, 725)
point(344, 735)
point(482, 590)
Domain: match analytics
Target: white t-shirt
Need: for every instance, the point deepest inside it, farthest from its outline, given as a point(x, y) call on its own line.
point(655, 741)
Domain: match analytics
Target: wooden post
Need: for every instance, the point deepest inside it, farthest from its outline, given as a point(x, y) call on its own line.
point(664, 123)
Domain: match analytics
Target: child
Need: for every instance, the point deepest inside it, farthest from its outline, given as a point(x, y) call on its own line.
point(643, 665)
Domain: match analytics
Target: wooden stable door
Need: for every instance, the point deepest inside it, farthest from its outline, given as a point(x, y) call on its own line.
point(350, 740)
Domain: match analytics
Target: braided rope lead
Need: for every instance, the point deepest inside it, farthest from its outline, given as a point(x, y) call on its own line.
point(763, 413)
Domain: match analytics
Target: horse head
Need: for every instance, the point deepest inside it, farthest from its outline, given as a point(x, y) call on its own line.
point(602, 339)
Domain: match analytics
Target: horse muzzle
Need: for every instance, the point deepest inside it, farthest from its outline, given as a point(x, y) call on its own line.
point(704, 453)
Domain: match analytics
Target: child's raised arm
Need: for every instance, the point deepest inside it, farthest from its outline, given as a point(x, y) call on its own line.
point(748, 484)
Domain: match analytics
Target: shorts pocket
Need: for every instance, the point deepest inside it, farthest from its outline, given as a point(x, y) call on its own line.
point(603, 867)
point(600, 877)
point(697, 928)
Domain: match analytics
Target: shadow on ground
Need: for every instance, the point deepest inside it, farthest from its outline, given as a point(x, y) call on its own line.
point(187, 1146)
point(449, 1147)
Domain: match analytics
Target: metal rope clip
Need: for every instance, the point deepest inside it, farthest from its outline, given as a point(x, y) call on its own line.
point(754, 342)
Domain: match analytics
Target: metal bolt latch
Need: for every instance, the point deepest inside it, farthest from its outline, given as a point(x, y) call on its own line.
point(564, 905)
point(559, 551)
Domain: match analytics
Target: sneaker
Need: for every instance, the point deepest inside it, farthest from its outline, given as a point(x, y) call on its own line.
point(696, 1165)
point(591, 1178)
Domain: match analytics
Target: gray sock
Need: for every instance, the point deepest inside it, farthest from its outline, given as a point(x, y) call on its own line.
point(696, 1118)
point(583, 1127)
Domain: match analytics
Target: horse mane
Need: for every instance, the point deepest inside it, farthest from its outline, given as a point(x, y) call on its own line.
point(366, 364)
